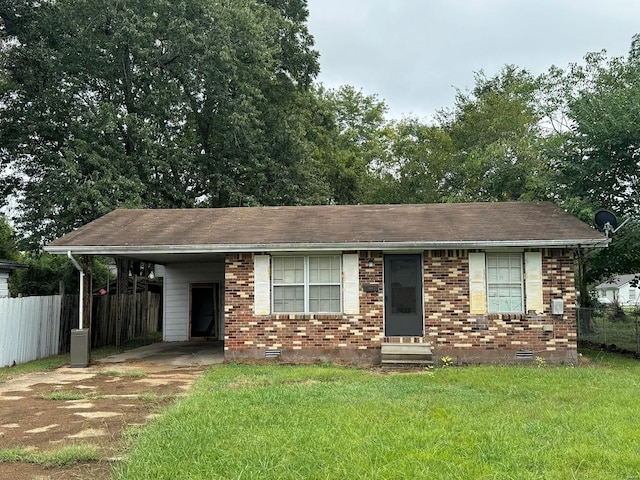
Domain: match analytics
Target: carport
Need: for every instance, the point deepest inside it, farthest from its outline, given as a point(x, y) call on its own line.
point(176, 354)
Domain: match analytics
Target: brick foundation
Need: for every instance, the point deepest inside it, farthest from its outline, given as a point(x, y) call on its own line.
point(449, 326)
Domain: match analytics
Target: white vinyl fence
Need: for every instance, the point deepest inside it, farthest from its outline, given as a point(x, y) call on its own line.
point(29, 328)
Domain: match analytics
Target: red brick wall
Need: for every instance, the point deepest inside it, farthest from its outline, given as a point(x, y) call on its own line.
point(301, 337)
point(495, 338)
point(449, 326)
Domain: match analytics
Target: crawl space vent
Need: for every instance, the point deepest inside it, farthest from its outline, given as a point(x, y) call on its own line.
point(524, 354)
point(272, 353)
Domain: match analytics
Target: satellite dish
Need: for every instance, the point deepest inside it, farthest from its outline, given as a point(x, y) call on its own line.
point(606, 220)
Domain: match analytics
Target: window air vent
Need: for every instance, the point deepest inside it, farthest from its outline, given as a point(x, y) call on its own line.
point(272, 353)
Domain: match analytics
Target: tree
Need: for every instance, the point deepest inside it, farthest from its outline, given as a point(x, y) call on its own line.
point(495, 132)
point(488, 148)
point(595, 153)
point(154, 104)
point(414, 169)
point(44, 276)
point(599, 159)
point(352, 140)
point(8, 249)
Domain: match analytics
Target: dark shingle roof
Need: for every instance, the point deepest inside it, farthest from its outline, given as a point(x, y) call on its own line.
point(452, 225)
point(8, 265)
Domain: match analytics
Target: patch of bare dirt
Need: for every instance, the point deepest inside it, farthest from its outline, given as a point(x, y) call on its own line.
point(113, 399)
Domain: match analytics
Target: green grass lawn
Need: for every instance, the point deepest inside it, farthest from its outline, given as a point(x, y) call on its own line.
point(41, 365)
point(327, 422)
point(57, 361)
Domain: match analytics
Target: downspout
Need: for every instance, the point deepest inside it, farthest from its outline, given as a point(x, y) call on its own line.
point(79, 268)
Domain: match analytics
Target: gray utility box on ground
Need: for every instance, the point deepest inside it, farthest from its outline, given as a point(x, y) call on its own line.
point(80, 348)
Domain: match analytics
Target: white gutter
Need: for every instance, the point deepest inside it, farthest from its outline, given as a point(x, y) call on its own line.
point(79, 268)
point(308, 246)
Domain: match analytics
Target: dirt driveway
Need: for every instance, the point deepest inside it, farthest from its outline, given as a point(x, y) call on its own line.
point(99, 406)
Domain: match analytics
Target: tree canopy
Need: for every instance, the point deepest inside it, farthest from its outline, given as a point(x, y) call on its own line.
point(8, 248)
point(596, 152)
point(496, 139)
point(154, 103)
point(211, 103)
point(599, 157)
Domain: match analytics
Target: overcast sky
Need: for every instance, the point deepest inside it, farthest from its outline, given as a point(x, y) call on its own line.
point(414, 53)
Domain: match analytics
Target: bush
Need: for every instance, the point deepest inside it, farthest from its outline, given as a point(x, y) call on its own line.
point(45, 273)
point(615, 312)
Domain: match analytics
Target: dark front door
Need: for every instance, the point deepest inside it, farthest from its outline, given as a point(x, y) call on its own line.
point(204, 310)
point(403, 296)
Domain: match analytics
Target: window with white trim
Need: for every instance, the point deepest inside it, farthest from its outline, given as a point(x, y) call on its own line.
point(307, 284)
point(504, 283)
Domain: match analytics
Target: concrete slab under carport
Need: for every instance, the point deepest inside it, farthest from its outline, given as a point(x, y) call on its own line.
point(177, 354)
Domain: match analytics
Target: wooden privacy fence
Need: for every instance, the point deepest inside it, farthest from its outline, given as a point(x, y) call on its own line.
point(115, 318)
point(118, 318)
point(29, 328)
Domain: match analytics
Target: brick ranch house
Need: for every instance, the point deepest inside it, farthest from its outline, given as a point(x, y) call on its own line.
point(479, 282)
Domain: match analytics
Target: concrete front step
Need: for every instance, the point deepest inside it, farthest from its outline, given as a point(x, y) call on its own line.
point(399, 355)
point(406, 363)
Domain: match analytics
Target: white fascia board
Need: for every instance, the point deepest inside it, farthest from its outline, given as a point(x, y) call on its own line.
point(125, 250)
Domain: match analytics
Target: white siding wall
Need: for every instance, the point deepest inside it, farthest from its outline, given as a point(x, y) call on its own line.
point(176, 296)
point(634, 295)
point(623, 294)
point(4, 286)
point(626, 295)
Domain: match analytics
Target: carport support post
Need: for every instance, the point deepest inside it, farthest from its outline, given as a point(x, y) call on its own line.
point(80, 339)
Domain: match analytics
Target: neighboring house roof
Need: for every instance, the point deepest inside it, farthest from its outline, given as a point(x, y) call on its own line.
point(617, 282)
point(8, 265)
point(149, 233)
